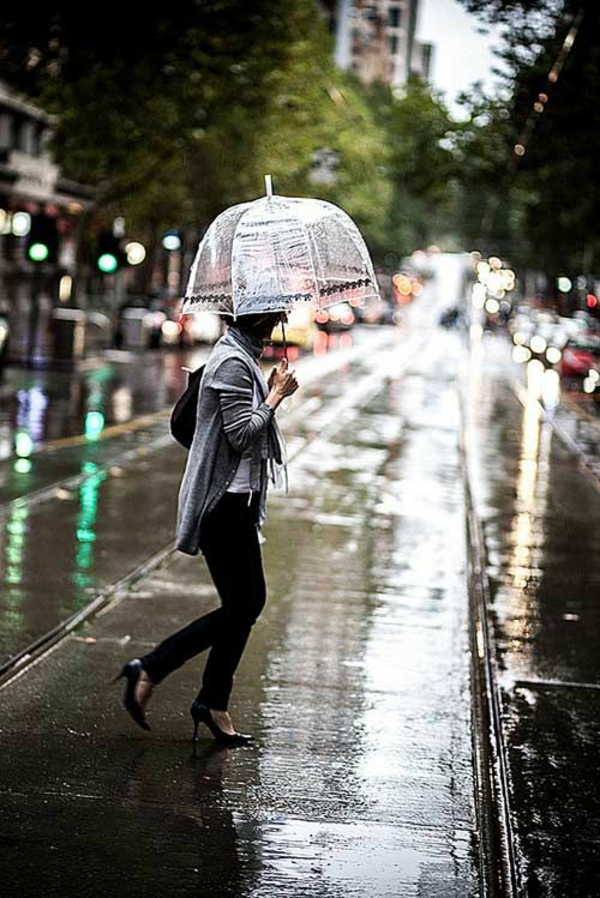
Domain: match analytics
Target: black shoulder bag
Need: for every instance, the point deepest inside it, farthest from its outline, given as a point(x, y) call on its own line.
point(183, 416)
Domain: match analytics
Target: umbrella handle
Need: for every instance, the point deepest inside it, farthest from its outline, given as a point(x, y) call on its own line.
point(285, 354)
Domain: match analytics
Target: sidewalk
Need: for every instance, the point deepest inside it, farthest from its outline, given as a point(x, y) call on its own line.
point(355, 683)
point(538, 500)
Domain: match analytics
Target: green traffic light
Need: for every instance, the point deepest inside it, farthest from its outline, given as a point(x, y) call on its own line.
point(38, 252)
point(107, 263)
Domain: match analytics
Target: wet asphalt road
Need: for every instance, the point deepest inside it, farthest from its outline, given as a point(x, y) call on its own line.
point(357, 678)
point(536, 485)
point(355, 681)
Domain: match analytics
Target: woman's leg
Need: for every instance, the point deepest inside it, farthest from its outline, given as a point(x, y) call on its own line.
point(199, 634)
point(227, 529)
point(239, 578)
point(178, 648)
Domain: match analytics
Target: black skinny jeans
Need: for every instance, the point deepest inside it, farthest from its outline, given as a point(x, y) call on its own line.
point(230, 546)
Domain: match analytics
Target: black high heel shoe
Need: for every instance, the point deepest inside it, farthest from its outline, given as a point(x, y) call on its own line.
point(201, 714)
point(132, 671)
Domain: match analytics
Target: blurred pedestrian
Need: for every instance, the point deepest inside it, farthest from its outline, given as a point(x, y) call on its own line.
point(237, 447)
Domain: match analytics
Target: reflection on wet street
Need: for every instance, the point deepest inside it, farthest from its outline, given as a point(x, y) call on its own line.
point(538, 507)
point(358, 683)
point(355, 682)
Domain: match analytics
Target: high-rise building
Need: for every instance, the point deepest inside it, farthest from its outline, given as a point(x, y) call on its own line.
point(376, 39)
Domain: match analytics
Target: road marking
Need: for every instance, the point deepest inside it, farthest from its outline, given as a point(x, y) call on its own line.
point(108, 432)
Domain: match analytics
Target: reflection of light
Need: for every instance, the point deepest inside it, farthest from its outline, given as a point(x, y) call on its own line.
point(93, 425)
point(64, 288)
point(492, 306)
point(495, 262)
point(535, 372)
point(550, 388)
point(521, 354)
point(553, 355)
point(22, 466)
point(538, 344)
point(593, 374)
point(589, 385)
point(519, 338)
point(346, 341)
point(23, 444)
point(122, 402)
point(86, 519)
point(14, 547)
point(30, 413)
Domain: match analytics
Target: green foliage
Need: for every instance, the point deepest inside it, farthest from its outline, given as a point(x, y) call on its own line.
point(176, 115)
point(540, 207)
point(422, 164)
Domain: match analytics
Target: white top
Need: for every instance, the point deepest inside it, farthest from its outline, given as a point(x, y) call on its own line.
point(241, 481)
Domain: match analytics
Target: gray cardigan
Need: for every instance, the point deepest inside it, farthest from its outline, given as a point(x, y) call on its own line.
point(226, 426)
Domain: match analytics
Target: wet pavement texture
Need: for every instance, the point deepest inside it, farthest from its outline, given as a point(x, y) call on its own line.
point(86, 516)
point(537, 497)
point(51, 405)
point(355, 681)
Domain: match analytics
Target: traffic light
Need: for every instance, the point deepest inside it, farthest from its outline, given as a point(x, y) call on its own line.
point(109, 255)
point(42, 239)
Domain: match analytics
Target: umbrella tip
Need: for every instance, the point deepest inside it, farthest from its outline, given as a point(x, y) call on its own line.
point(268, 185)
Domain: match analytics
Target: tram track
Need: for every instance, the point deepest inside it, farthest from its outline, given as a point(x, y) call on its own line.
point(328, 417)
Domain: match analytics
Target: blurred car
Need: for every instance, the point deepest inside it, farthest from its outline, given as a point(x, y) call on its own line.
point(300, 330)
point(339, 317)
point(580, 355)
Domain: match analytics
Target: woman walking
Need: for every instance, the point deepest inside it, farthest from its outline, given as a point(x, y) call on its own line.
point(237, 447)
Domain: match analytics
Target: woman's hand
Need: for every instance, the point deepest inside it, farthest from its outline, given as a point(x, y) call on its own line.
point(282, 383)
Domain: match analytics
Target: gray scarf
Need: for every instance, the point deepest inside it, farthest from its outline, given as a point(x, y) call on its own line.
point(272, 444)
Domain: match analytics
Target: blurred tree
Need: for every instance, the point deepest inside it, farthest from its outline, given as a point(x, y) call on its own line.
point(540, 203)
point(177, 114)
point(422, 164)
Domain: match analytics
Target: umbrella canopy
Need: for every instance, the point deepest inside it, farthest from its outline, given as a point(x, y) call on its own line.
point(277, 252)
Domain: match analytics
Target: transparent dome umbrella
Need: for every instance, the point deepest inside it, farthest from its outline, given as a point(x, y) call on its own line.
point(275, 253)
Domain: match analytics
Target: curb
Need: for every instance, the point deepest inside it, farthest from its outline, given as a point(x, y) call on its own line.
point(497, 846)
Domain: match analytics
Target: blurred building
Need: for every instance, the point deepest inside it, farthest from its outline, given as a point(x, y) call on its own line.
point(40, 216)
point(422, 59)
point(376, 39)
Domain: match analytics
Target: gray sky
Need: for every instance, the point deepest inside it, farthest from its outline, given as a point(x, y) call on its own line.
point(461, 54)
